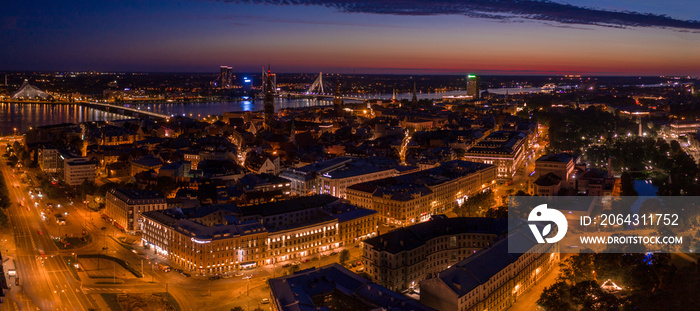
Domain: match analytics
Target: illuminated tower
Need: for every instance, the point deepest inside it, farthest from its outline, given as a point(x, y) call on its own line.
point(269, 108)
point(473, 86)
point(338, 99)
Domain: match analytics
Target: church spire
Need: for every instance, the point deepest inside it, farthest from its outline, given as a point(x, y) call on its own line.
point(338, 99)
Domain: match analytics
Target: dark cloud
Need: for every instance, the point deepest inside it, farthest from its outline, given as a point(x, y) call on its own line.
point(547, 11)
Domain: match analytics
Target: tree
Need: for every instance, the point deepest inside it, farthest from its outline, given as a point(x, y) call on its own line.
point(499, 212)
point(474, 205)
point(555, 297)
point(344, 256)
point(627, 185)
point(294, 269)
point(86, 188)
point(577, 268)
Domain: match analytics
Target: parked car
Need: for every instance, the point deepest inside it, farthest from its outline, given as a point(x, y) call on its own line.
point(265, 301)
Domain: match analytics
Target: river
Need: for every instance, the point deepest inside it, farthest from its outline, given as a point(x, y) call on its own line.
point(19, 118)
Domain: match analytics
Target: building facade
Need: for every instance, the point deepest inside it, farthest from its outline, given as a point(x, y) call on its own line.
point(50, 160)
point(412, 198)
point(76, 171)
point(224, 238)
point(491, 279)
point(335, 182)
point(124, 206)
point(334, 287)
point(400, 259)
point(504, 149)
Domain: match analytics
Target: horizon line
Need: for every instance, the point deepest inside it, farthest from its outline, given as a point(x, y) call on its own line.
point(516, 73)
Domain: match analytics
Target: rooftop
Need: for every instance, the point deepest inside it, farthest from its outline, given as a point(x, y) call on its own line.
point(137, 194)
point(287, 206)
point(302, 290)
point(549, 179)
point(477, 269)
point(403, 187)
point(557, 157)
point(408, 238)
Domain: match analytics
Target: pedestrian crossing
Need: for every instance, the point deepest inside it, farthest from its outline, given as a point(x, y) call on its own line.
point(103, 289)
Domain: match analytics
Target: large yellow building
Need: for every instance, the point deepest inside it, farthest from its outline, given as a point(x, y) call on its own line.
point(504, 149)
point(124, 206)
point(225, 238)
point(491, 279)
point(413, 198)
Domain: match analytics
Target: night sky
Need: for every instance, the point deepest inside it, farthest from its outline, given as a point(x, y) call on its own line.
point(617, 37)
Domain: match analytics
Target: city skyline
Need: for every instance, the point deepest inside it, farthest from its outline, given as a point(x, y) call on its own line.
point(522, 38)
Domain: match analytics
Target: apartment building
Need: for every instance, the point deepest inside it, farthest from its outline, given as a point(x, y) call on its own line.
point(491, 279)
point(400, 259)
point(76, 171)
point(224, 238)
point(412, 198)
point(124, 206)
point(50, 160)
point(334, 287)
point(335, 175)
point(504, 149)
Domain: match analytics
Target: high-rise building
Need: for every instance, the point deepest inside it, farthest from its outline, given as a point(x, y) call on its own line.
point(124, 206)
point(225, 76)
point(272, 80)
point(269, 107)
point(473, 86)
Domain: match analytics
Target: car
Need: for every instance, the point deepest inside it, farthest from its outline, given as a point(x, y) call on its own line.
point(214, 277)
point(287, 265)
point(186, 274)
point(333, 253)
point(104, 228)
point(239, 274)
point(265, 301)
point(297, 263)
point(306, 260)
point(40, 233)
